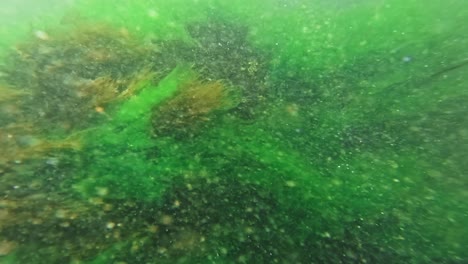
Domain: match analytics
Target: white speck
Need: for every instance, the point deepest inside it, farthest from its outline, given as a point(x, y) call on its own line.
point(110, 225)
point(406, 59)
point(396, 180)
point(102, 191)
point(60, 213)
point(41, 35)
point(290, 184)
point(153, 13)
point(52, 161)
point(393, 164)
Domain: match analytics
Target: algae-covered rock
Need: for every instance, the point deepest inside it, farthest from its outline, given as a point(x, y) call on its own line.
point(70, 77)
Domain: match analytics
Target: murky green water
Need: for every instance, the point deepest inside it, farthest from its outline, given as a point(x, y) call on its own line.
point(212, 131)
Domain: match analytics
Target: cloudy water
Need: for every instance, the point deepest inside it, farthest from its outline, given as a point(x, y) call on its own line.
point(211, 131)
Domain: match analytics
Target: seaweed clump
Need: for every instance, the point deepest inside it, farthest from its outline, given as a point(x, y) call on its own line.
point(221, 51)
point(68, 79)
point(191, 108)
point(53, 85)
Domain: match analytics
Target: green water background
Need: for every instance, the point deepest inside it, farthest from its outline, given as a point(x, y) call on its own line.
point(380, 69)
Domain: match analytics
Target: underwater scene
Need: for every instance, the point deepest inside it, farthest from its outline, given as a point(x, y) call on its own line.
point(243, 131)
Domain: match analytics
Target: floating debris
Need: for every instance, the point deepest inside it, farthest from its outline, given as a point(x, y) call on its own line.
point(41, 35)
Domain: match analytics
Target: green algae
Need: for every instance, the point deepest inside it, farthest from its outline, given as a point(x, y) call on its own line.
point(356, 154)
point(122, 142)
